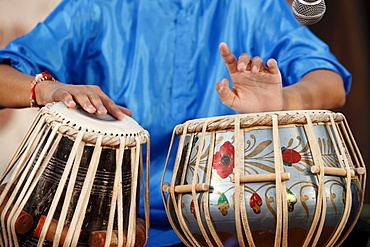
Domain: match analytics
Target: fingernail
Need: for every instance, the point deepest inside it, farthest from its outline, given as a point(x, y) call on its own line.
point(102, 110)
point(220, 89)
point(241, 66)
point(91, 108)
point(120, 115)
point(254, 69)
point(70, 104)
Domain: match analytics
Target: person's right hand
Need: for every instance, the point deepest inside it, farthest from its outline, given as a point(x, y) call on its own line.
point(91, 98)
point(256, 87)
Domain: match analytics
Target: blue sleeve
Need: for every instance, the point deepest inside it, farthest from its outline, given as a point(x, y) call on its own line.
point(311, 54)
point(297, 49)
point(57, 45)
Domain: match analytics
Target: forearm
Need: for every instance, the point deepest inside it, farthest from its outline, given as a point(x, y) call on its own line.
point(15, 87)
point(16, 92)
point(319, 89)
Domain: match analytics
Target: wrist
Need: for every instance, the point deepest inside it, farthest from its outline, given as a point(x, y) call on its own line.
point(292, 100)
point(44, 76)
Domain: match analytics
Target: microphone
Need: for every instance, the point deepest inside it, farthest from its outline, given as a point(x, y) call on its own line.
point(308, 12)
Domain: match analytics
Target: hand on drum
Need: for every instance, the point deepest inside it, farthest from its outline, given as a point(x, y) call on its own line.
point(91, 98)
point(256, 88)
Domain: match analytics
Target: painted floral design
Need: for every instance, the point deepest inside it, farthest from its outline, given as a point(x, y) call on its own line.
point(192, 208)
point(290, 156)
point(291, 200)
point(255, 202)
point(223, 160)
point(223, 204)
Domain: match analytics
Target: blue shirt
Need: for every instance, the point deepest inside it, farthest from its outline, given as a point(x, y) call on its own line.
point(160, 59)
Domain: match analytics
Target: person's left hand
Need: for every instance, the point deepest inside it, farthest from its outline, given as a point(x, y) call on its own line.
point(256, 88)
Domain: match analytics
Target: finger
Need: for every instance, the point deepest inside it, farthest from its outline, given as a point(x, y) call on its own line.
point(228, 57)
point(272, 66)
point(97, 102)
point(82, 99)
point(244, 62)
point(257, 65)
point(226, 95)
point(67, 99)
point(115, 110)
point(125, 111)
point(104, 104)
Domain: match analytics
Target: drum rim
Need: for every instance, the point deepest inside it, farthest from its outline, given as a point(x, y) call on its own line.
point(258, 119)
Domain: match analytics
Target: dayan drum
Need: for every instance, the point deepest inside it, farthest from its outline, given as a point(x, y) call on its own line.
point(268, 179)
point(75, 181)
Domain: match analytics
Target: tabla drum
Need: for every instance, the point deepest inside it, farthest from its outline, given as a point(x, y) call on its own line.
point(77, 179)
point(292, 178)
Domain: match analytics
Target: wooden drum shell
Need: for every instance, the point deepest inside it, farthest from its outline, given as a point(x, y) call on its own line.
point(77, 175)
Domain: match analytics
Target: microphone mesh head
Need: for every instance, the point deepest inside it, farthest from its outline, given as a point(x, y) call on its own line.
point(308, 12)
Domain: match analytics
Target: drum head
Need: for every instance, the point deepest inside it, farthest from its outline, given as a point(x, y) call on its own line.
point(105, 124)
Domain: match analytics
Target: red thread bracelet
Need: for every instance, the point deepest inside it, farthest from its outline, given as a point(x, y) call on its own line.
point(44, 76)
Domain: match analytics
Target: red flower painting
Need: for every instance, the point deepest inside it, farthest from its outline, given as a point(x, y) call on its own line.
point(255, 203)
point(290, 156)
point(223, 160)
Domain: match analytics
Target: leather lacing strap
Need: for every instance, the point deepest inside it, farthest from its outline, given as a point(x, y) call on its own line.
point(195, 182)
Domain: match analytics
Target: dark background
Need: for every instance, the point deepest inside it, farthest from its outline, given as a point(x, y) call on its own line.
point(345, 27)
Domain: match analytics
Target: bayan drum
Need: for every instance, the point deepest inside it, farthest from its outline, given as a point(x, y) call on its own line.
point(77, 179)
point(268, 179)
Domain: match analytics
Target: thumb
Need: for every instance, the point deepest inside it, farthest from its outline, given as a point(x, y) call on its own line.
point(226, 95)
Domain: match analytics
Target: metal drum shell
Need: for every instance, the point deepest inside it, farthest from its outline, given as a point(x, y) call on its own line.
point(297, 179)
